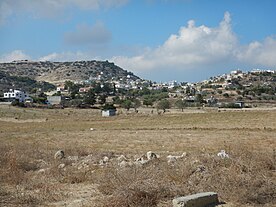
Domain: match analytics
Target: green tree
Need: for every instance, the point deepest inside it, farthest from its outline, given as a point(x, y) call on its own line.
point(226, 95)
point(75, 103)
point(199, 98)
point(117, 100)
point(148, 102)
point(72, 88)
point(34, 90)
point(127, 104)
point(58, 93)
point(108, 106)
point(89, 97)
point(163, 104)
point(102, 99)
point(97, 89)
point(181, 104)
point(68, 85)
point(144, 91)
point(40, 98)
point(107, 88)
point(136, 104)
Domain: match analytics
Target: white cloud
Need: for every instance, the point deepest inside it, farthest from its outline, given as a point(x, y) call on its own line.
point(259, 53)
point(51, 8)
point(199, 47)
point(5, 11)
point(192, 47)
point(85, 34)
point(63, 56)
point(66, 56)
point(14, 55)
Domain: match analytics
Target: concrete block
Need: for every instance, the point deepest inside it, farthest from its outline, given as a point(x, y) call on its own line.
point(197, 200)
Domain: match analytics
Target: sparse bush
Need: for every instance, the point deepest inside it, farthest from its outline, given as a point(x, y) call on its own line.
point(17, 103)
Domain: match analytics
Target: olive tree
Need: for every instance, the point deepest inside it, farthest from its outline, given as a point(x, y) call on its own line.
point(163, 104)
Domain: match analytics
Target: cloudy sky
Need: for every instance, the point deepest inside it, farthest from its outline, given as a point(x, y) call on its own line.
point(161, 40)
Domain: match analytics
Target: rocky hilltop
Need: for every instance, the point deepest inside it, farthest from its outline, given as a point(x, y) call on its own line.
point(57, 72)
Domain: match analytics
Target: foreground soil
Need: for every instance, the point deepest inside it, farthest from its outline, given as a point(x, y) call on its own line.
point(92, 174)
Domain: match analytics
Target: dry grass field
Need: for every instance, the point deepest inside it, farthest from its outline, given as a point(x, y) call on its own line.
point(30, 176)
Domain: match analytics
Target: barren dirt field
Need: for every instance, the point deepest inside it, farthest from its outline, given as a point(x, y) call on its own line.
point(93, 172)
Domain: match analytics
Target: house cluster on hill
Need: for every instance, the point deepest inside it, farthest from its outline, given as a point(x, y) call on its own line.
point(128, 90)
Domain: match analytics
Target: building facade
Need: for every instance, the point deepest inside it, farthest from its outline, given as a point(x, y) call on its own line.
point(21, 96)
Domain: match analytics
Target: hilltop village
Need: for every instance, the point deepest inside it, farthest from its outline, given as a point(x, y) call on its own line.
point(101, 84)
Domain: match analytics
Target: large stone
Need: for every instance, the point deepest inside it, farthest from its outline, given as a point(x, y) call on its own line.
point(197, 200)
point(59, 154)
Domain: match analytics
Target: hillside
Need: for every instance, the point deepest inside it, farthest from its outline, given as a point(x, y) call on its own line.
point(57, 72)
point(24, 83)
point(255, 85)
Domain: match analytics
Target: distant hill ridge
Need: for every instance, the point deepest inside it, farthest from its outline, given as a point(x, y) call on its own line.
point(57, 72)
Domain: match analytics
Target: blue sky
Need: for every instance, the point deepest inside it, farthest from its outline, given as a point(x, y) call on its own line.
point(184, 40)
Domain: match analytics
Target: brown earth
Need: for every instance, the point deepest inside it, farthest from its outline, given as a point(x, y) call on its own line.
point(30, 176)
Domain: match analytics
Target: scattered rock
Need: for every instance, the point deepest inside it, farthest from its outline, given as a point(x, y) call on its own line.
point(59, 154)
point(151, 155)
point(222, 154)
point(141, 161)
point(124, 163)
point(105, 159)
point(89, 159)
point(41, 163)
point(82, 166)
point(173, 158)
point(43, 171)
point(62, 165)
point(121, 158)
point(73, 158)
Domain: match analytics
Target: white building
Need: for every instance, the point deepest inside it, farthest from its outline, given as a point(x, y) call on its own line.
point(109, 112)
point(236, 72)
point(21, 96)
point(172, 84)
point(60, 88)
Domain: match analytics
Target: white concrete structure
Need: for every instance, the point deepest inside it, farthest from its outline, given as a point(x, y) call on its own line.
point(21, 96)
point(197, 200)
point(110, 112)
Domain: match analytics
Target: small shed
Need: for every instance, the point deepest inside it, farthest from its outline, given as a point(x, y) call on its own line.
point(239, 104)
point(54, 100)
point(109, 112)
